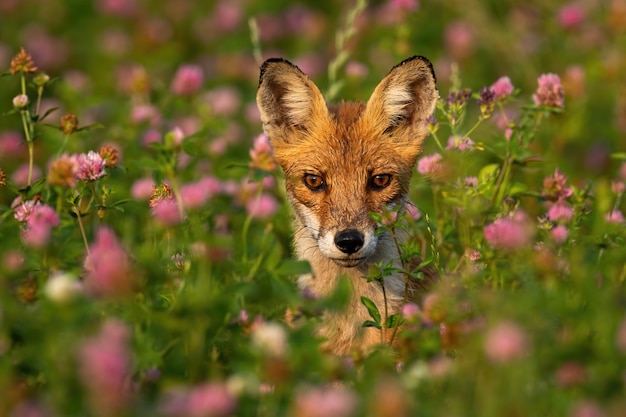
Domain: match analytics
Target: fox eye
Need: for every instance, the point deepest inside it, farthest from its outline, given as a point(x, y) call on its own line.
point(378, 182)
point(314, 182)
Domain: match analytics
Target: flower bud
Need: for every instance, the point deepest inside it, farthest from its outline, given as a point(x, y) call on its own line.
point(41, 79)
point(20, 101)
point(68, 124)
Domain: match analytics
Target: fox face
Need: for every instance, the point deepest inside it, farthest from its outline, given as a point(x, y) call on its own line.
point(343, 162)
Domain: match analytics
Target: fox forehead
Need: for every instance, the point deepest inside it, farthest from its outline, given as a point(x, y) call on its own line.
point(343, 143)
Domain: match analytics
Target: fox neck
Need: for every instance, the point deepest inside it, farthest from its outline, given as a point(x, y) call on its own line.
point(343, 331)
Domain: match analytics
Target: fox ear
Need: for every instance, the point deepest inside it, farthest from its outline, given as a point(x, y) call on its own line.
point(287, 98)
point(404, 99)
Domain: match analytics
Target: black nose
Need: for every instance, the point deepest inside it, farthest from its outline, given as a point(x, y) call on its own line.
point(349, 241)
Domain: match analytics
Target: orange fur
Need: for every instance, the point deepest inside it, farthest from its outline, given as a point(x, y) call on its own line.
point(342, 162)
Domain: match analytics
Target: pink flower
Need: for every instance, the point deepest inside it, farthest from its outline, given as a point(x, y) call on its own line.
point(559, 234)
point(108, 271)
point(555, 187)
point(105, 368)
point(142, 189)
point(224, 101)
point(39, 224)
point(211, 399)
point(459, 39)
point(151, 136)
point(325, 402)
point(506, 342)
point(145, 113)
point(194, 195)
point(167, 212)
point(471, 182)
point(11, 145)
point(502, 88)
point(560, 212)
point(510, 233)
point(586, 408)
point(23, 209)
point(461, 143)
point(549, 91)
point(188, 80)
point(261, 206)
point(614, 216)
point(413, 211)
point(430, 165)
point(90, 166)
point(570, 16)
point(410, 311)
point(20, 175)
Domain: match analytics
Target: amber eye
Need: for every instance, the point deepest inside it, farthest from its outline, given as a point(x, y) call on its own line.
point(378, 182)
point(314, 182)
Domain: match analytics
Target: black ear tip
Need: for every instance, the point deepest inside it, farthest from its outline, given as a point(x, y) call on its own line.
point(271, 61)
point(419, 58)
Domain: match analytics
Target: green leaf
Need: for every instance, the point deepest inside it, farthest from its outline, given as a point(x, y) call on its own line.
point(488, 173)
point(293, 267)
point(393, 321)
point(369, 323)
point(372, 309)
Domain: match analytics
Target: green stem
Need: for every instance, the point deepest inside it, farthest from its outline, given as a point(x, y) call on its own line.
point(80, 226)
point(179, 198)
point(501, 182)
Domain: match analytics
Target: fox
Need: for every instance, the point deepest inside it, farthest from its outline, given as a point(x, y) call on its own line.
point(342, 162)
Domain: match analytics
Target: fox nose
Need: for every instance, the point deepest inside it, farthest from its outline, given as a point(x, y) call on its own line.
point(349, 241)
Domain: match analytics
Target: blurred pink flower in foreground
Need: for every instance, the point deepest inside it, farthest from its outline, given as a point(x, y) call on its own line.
point(559, 234)
point(188, 80)
point(614, 216)
point(20, 175)
point(142, 188)
point(325, 402)
point(413, 211)
point(430, 164)
point(261, 206)
point(104, 368)
point(510, 233)
point(167, 212)
point(39, 225)
point(90, 166)
point(570, 16)
point(11, 144)
point(461, 143)
point(549, 91)
point(108, 269)
point(506, 342)
point(560, 212)
point(502, 88)
point(211, 399)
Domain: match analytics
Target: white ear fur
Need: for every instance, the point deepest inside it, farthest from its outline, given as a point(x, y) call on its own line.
point(406, 97)
point(286, 96)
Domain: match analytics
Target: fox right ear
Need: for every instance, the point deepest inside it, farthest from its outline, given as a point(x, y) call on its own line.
point(287, 98)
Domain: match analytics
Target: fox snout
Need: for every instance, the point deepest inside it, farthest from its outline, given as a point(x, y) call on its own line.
point(349, 241)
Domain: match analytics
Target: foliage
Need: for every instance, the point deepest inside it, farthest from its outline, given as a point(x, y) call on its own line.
point(145, 237)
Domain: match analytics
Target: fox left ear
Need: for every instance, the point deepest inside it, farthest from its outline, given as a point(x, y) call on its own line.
point(287, 99)
point(404, 99)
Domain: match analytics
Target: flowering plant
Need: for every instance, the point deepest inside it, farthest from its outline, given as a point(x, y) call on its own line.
point(145, 254)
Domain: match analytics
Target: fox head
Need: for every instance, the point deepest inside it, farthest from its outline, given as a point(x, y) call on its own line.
point(342, 162)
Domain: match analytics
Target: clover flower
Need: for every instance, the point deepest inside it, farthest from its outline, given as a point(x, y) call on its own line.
point(510, 233)
point(188, 80)
point(430, 165)
point(502, 88)
point(104, 362)
point(549, 91)
point(22, 62)
point(90, 166)
point(68, 123)
point(62, 171)
point(108, 271)
point(506, 342)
